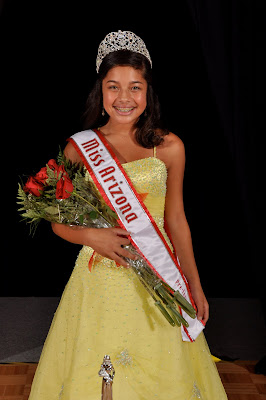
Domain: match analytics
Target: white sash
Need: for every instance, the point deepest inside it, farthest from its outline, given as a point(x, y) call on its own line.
point(120, 194)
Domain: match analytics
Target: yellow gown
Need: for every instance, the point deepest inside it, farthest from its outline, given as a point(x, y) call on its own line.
point(108, 311)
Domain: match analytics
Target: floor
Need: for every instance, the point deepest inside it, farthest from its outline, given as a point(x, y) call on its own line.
point(238, 378)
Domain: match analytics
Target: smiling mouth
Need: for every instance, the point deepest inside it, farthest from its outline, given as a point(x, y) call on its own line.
point(124, 109)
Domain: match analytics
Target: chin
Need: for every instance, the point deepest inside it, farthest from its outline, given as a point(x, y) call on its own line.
point(125, 119)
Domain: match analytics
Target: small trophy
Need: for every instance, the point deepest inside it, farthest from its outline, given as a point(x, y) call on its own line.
point(107, 372)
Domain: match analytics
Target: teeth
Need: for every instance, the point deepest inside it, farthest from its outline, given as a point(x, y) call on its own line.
point(124, 109)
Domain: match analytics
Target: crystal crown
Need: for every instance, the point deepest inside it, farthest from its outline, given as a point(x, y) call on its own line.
point(121, 40)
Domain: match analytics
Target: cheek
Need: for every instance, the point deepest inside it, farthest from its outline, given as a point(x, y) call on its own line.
point(108, 99)
point(141, 99)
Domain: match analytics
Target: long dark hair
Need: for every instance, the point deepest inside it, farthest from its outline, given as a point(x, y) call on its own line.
point(149, 130)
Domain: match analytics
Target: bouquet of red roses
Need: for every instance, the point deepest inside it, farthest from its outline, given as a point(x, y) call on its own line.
point(64, 186)
point(63, 192)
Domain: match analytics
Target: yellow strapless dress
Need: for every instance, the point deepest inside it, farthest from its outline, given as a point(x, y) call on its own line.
point(107, 311)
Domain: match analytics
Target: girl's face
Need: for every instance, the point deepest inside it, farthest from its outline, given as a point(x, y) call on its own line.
point(124, 94)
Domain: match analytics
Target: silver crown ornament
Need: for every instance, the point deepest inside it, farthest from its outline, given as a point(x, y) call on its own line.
point(121, 40)
point(107, 372)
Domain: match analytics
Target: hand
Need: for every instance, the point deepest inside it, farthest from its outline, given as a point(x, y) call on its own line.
point(201, 303)
point(109, 242)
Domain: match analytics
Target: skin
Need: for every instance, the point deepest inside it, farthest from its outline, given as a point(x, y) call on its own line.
point(124, 100)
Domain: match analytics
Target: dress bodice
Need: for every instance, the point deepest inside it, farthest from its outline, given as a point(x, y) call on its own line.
point(149, 176)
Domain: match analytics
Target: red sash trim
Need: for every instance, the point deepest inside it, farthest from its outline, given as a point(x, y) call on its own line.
point(146, 211)
point(99, 187)
point(103, 194)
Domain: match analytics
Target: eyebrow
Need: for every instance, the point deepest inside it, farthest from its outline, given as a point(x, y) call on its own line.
point(111, 80)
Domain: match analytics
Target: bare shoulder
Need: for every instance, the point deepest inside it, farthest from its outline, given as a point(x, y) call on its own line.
point(173, 141)
point(72, 154)
point(172, 150)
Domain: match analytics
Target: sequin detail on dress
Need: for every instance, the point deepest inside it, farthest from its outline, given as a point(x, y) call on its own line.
point(196, 393)
point(124, 358)
point(61, 392)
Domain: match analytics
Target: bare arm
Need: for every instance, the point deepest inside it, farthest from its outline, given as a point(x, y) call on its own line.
point(178, 225)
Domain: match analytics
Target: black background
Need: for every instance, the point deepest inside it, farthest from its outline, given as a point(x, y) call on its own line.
point(209, 72)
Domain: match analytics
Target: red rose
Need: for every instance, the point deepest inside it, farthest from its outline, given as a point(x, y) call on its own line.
point(33, 186)
point(64, 188)
point(53, 165)
point(61, 169)
point(41, 176)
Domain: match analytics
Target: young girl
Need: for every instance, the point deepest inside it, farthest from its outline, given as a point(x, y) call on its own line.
point(105, 309)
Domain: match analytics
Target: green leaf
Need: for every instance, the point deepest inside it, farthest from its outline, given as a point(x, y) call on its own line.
point(111, 212)
point(51, 210)
point(93, 215)
point(30, 214)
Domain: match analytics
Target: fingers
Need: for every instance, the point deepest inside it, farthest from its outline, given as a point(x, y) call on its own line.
point(120, 260)
point(120, 253)
point(115, 251)
point(126, 253)
point(203, 311)
point(121, 232)
point(206, 313)
point(123, 242)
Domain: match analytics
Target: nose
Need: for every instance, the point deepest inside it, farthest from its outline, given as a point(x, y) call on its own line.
point(124, 95)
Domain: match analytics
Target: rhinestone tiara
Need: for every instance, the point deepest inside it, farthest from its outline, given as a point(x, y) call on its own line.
point(121, 40)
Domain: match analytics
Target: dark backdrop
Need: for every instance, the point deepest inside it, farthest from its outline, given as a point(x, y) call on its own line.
point(209, 73)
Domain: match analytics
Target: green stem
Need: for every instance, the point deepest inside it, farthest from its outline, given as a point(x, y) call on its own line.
point(178, 316)
point(177, 321)
point(91, 205)
point(165, 313)
point(162, 291)
point(157, 302)
point(187, 307)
